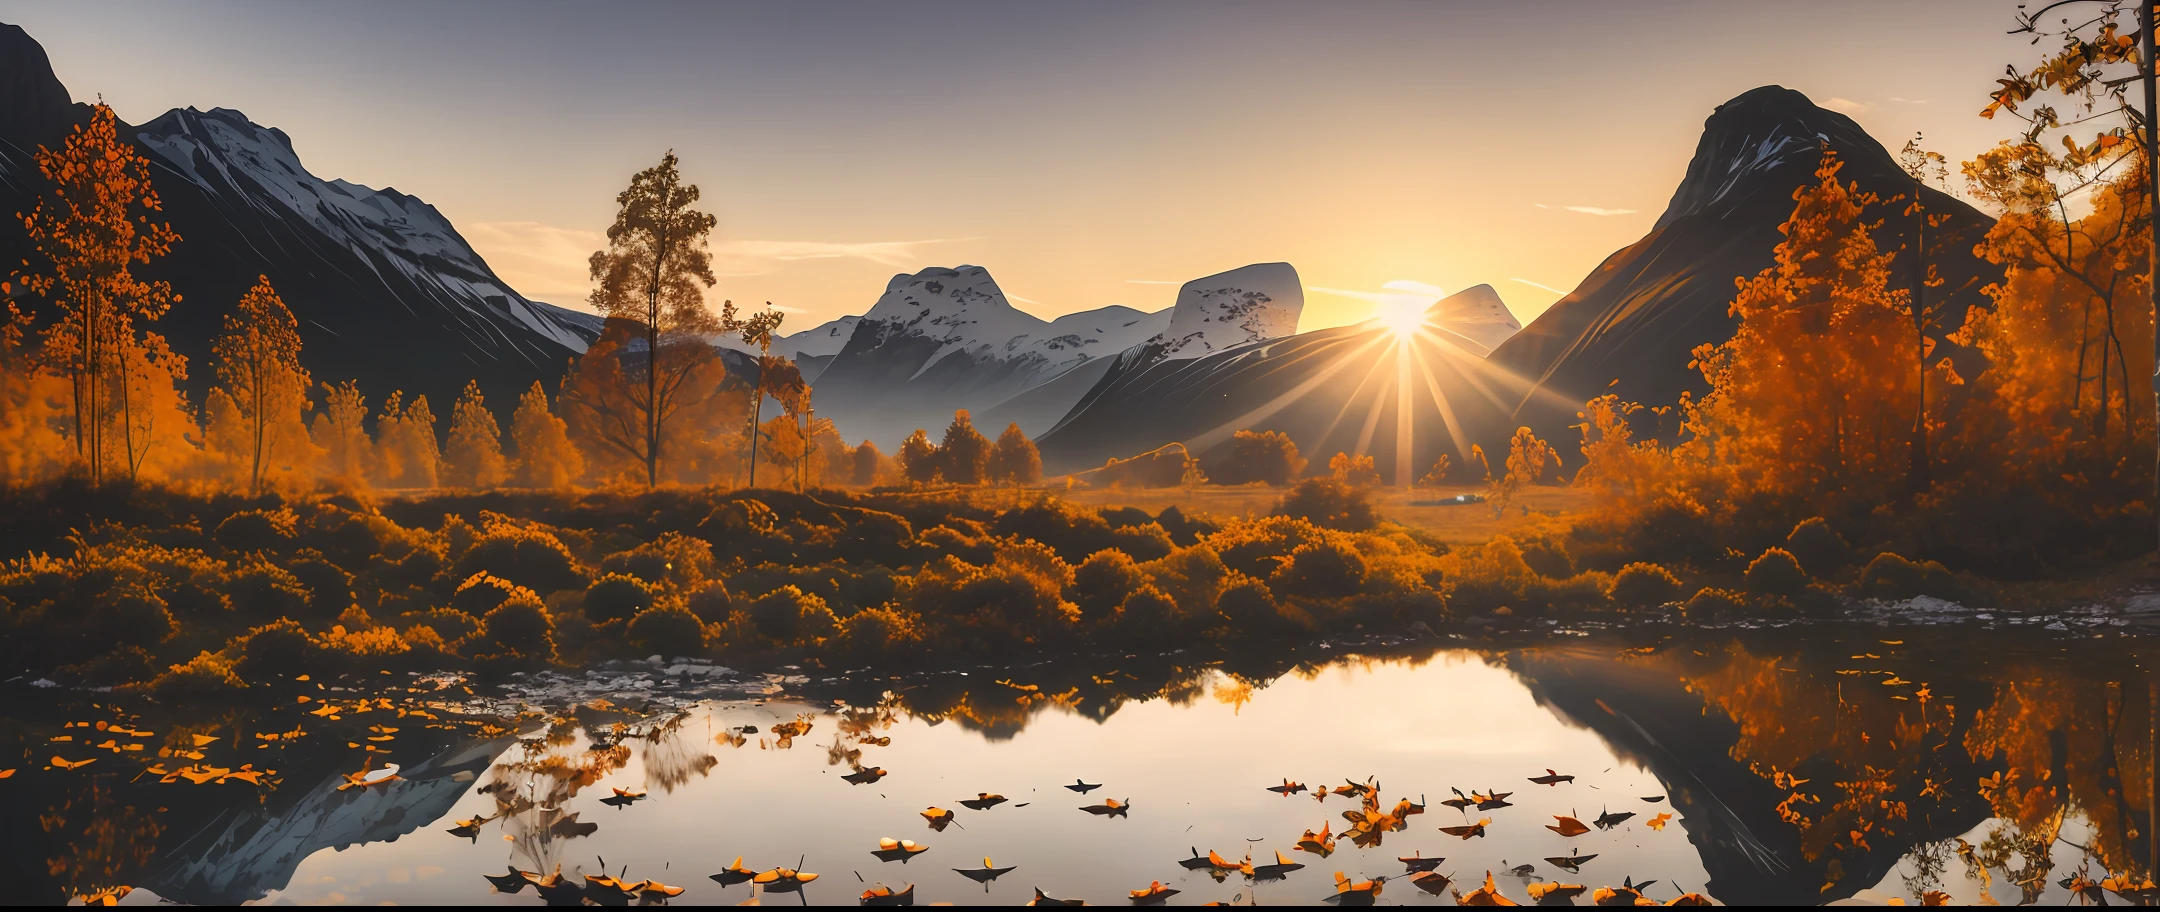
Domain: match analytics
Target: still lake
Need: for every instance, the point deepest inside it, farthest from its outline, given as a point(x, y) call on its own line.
point(1807, 763)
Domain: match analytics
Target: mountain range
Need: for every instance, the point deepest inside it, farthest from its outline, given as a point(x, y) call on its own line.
point(388, 293)
point(385, 290)
point(1627, 329)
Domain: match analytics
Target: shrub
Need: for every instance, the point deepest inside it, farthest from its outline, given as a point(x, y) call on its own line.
point(1330, 504)
point(281, 649)
point(789, 616)
point(1257, 547)
point(1547, 555)
point(1643, 585)
point(1249, 607)
point(449, 624)
point(1890, 576)
point(1193, 576)
point(616, 597)
point(262, 592)
point(1776, 572)
point(329, 587)
point(1145, 542)
point(1184, 530)
point(1709, 604)
point(1818, 547)
point(128, 613)
point(256, 530)
point(1267, 457)
point(207, 676)
point(1324, 570)
point(420, 568)
point(958, 543)
point(711, 602)
point(519, 629)
point(1150, 617)
point(673, 561)
point(1018, 599)
point(1490, 577)
point(668, 630)
point(1073, 532)
point(481, 592)
point(364, 649)
point(1102, 582)
point(528, 557)
point(879, 634)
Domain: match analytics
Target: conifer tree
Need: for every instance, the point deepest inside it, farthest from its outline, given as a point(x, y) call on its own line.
point(473, 458)
point(863, 463)
point(919, 458)
point(545, 456)
point(965, 453)
point(1014, 458)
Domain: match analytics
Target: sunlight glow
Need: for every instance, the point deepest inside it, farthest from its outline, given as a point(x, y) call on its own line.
point(1403, 318)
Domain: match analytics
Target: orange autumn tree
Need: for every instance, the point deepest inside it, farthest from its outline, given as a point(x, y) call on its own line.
point(473, 458)
point(94, 228)
point(545, 456)
point(340, 432)
point(262, 395)
point(1810, 405)
point(650, 284)
point(2064, 411)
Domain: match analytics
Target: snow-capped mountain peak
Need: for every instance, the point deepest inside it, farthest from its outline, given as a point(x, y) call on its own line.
point(226, 154)
point(1228, 309)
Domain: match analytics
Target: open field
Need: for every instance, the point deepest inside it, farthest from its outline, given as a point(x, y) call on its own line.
point(1464, 523)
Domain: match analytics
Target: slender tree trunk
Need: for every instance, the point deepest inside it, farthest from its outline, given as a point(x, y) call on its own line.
point(757, 407)
point(256, 394)
point(2151, 139)
point(127, 416)
point(652, 363)
point(1920, 459)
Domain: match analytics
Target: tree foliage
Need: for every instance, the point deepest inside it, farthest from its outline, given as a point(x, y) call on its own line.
point(261, 378)
point(1014, 459)
point(473, 458)
point(93, 229)
point(545, 456)
point(1265, 457)
point(650, 284)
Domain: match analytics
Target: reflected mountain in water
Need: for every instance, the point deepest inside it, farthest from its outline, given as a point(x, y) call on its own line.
point(1803, 764)
point(242, 853)
point(1753, 853)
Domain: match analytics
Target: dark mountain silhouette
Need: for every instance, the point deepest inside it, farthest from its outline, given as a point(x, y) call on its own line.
point(1636, 318)
point(385, 289)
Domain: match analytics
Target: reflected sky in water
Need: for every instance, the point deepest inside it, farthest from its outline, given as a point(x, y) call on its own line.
point(1802, 764)
point(1194, 772)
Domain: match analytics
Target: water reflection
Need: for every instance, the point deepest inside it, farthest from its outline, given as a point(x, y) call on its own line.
point(1773, 766)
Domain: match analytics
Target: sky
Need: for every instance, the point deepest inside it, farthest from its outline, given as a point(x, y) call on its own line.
point(1087, 154)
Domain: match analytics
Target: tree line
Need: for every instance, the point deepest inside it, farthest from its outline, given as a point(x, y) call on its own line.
point(90, 388)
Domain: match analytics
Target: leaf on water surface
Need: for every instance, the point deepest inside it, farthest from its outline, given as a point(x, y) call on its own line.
point(1471, 830)
point(1554, 890)
point(1487, 895)
point(1154, 894)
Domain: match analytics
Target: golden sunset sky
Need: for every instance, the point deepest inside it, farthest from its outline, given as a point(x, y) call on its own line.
point(1086, 153)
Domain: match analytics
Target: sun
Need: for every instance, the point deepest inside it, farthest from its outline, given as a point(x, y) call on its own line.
point(1403, 318)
